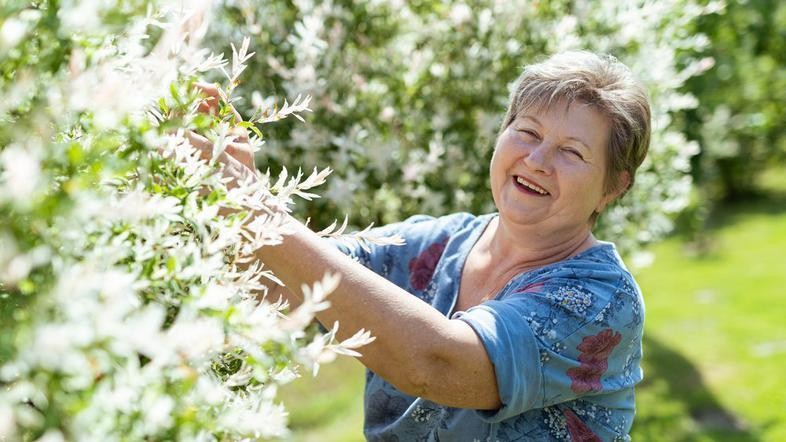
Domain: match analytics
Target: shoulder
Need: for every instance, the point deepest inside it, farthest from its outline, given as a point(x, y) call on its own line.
point(592, 288)
point(428, 223)
point(422, 231)
point(599, 269)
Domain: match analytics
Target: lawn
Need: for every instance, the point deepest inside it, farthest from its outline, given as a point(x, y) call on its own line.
point(715, 346)
point(715, 341)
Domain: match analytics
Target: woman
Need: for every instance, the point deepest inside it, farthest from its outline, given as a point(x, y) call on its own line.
point(522, 326)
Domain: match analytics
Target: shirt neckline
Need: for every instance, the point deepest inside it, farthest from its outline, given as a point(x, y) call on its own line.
point(478, 230)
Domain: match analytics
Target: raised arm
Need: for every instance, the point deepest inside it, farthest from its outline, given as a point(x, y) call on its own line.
point(418, 350)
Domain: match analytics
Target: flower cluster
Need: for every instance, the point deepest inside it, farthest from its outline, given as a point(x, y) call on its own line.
point(131, 305)
point(595, 351)
point(411, 95)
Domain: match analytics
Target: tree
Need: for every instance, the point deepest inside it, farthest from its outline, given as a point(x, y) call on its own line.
point(408, 96)
point(740, 123)
point(129, 308)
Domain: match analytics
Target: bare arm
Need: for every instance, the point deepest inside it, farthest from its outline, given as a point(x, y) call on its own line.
point(417, 349)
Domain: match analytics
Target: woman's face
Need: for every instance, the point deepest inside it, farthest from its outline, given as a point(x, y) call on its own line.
point(549, 166)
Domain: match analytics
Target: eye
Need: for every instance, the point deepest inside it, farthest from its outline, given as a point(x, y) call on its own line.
point(573, 152)
point(530, 133)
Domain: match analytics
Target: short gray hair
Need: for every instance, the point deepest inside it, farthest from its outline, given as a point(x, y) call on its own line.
point(605, 84)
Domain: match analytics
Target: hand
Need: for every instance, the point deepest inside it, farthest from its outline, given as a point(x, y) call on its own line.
point(238, 148)
point(237, 158)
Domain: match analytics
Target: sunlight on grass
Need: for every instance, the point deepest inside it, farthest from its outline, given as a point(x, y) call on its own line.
point(715, 345)
point(328, 407)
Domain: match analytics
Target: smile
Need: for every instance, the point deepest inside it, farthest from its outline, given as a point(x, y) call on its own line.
point(530, 186)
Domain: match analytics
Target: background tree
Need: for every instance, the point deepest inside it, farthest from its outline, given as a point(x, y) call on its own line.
point(740, 123)
point(408, 96)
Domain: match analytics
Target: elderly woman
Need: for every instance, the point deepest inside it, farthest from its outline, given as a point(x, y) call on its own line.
point(515, 325)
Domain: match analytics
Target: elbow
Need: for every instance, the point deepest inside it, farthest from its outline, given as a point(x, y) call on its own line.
point(419, 382)
point(420, 377)
point(438, 380)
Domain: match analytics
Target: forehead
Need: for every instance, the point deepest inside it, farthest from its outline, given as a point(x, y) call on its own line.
point(570, 119)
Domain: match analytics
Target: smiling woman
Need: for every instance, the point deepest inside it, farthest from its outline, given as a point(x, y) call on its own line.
point(512, 325)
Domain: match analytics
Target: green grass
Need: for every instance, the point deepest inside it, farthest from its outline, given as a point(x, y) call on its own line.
point(328, 407)
point(715, 341)
point(715, 344)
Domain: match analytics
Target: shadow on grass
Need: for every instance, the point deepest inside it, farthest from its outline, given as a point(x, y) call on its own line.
point(699, 235)
point(763, 202)
point(700, 413)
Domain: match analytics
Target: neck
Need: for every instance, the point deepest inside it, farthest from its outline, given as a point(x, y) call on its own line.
point(523, 248)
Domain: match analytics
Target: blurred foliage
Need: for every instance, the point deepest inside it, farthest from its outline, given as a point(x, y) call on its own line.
point(741, 123)
point(409, 96)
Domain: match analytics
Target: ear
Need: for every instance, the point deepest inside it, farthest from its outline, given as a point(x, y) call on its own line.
point(622, 186)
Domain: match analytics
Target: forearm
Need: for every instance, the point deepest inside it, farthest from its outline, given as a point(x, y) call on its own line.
point(275, 292)
point(411, 336)
point(361, 300)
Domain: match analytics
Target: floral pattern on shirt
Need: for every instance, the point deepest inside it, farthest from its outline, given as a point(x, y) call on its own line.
point(382, 408)
point(578, 430)
point(421, 267)
point(595, 351)
point(571, 298)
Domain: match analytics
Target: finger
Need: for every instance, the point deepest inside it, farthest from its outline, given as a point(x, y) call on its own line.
point(208, 89)
point(232, 166)
point(208, 105)
point(240, 134)
point(242, 153)
point(211, 102)
point(202, 144)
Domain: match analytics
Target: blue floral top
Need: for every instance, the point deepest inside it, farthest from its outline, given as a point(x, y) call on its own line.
point(565, 341)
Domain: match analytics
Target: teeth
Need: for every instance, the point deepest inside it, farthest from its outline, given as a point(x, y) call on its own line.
point(540, 190)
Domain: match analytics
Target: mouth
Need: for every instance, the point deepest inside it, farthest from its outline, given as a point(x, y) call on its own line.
point(529, 187)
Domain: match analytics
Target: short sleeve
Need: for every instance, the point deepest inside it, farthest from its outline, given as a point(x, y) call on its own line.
point(560, 337)
point(421, 234)
point(366, 253)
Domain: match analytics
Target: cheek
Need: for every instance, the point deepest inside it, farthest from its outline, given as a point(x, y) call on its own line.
point(590, 185)
point(496, 159)
point(497, 174)
point(504, 152)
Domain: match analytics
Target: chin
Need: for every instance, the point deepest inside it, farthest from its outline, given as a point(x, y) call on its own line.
point(516, 217)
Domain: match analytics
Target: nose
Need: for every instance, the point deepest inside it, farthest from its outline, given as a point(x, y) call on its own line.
point(539, 158)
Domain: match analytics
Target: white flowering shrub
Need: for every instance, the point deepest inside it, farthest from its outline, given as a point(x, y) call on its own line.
point(130, 302)
point(409, 96)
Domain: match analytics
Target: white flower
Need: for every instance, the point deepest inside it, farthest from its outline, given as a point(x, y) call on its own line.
point(216, 297)
point(21, 173)
point(83, 15)
point(459, 14)
point(7, 420)
point(51, 436)
point(254, 417)
point(12, 31)
point(642, 259)
point(58, 347)
point(157, 411)
point(194, 338)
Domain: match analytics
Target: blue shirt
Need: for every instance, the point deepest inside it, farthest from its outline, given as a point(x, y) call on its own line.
point(564, 339)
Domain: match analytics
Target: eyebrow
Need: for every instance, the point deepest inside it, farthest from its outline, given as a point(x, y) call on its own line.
point(531, 118)
point(576, 139)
